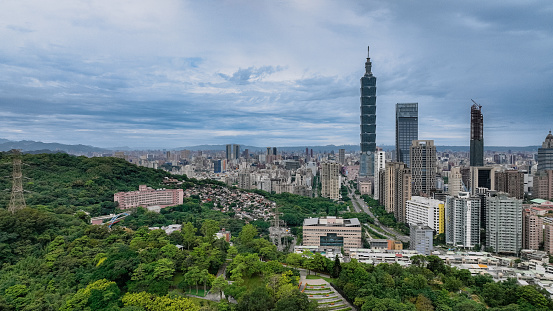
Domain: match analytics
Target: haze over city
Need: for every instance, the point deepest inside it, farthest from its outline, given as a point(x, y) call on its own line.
point(183, 73)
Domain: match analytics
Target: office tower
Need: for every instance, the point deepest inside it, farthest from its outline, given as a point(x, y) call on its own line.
point(504, 224)
point(229, 152)
point(269, 151)
point(274, 151)
point(218, 166)
point(379, 165)
point(330, 180)
point(427, 211)
point(476, 136)
point(455, 181)
point(462, 220)
point(407, 130)
point(236, 151)
point(342, 156)
point(481, 177)
point(423, 166)
point(545, 154)
point(246, 154)
point(543, 178)
point(532, 228)
point(422, 239)
point(397, 189)
point(511, 182)
point(368, 121)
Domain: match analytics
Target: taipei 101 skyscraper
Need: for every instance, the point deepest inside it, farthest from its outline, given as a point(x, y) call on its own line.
point(368, 121)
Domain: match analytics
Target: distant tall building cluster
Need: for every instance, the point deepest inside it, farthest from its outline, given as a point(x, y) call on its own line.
point(232, 152)
point(407, 130)
point(368, 121)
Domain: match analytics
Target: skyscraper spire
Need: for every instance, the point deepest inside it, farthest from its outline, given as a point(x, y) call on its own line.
point(368, 64)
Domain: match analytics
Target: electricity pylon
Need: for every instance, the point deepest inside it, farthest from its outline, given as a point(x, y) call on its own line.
point(17, 200)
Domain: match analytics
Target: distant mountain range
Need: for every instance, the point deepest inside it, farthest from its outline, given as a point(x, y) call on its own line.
point(30, 146)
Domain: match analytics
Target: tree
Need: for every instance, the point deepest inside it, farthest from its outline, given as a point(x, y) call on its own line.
point(257, 299)
point(152, 302)
point(295, 301)
point(97, 295)
point(219, 285)
point(248, 233)
point(294, 259)
point(336, 268)
point(209, 228)
point(189, 234)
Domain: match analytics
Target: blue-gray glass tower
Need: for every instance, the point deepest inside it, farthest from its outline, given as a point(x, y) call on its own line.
point(368, 121)
point(407, 130)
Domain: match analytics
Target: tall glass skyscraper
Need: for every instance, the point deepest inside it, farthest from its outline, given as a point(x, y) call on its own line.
point(407, 130)
point(368, 121)
point(476, 136)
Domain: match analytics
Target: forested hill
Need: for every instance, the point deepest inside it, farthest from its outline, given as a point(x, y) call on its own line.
point(64, 181)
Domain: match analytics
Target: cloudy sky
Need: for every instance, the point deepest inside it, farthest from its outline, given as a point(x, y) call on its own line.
point(259, 72)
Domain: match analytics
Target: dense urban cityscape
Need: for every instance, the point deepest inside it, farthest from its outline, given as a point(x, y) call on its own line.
point(293, 224)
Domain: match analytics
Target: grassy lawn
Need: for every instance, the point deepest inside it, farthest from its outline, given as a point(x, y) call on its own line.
point(203, 302)
point(193, 291)
point(177, 278)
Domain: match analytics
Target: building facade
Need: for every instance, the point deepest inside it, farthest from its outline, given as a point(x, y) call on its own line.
point(422, 239)
point(426, 211)
point(330, 180)
point(368, 121)
point(407, 130)
point(511, 182)
point(462, 220)
point(397, 189)
point(332, 233)
point(379, 165)
point(455, 182)
point(532, 228)
point(476, 136)
point(504, 224)
point(146, 196)
point(545, 154)
point(423, 166)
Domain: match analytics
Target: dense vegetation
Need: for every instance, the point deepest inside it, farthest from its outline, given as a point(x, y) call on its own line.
point(385, 218)
point(51, 258)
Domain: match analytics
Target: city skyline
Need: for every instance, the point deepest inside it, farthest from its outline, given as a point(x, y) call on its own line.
point(172, 74)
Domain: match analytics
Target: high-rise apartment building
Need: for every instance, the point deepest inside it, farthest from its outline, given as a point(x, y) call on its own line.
point(407, 130)
point(422, 239)
point(427, 211)
point(423, 166)
point(379, 165)
point(455, 182)
point(462, 220)
point(532, 228)
point(504, 224)
point(342, 156)
point(476, 136)
point(245, 180)
point(368, 121)
point(397, 190)
point(330, 180)
point(511, 182)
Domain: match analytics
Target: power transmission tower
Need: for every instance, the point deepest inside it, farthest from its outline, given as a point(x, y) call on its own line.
point(17, 200)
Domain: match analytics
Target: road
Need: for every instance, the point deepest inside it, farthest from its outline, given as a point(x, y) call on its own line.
point(360, 206)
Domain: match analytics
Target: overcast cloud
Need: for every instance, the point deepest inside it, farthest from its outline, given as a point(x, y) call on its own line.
point(177, 73)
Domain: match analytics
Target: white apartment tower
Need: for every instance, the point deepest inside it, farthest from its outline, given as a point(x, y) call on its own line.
point(426, 211)
point(504, 223)
point(379, 165)
point(462, 220)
